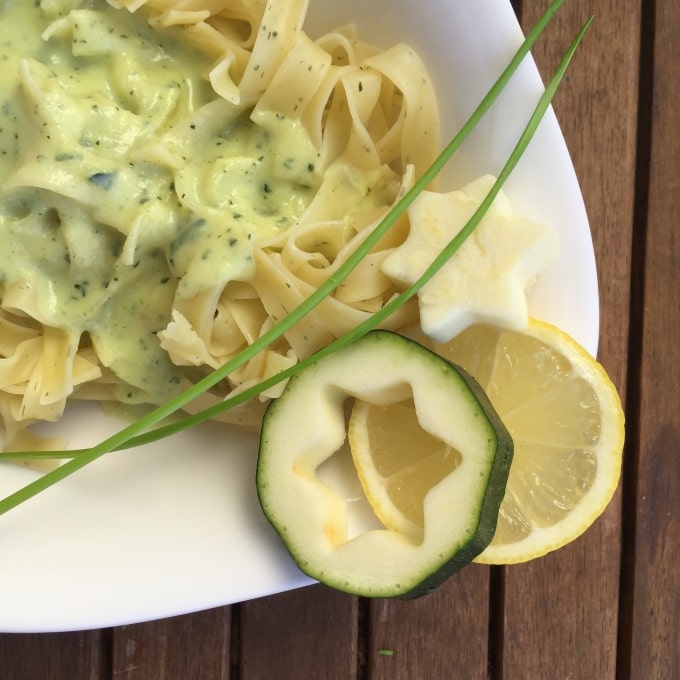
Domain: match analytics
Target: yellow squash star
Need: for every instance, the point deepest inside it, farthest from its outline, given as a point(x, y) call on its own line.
point(487, 278)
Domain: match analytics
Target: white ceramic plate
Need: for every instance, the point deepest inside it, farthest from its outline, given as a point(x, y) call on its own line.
point(176, 527)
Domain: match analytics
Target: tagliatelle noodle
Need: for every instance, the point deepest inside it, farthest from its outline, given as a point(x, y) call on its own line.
point(39, 370)
point(338, 110)
point(370, 113)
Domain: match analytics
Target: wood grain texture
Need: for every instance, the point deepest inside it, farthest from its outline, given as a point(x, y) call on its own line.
point(178, 648)
point(561, 612)
point(441, 635)
point(54, 656)
point(310, 633)
point(655, 608)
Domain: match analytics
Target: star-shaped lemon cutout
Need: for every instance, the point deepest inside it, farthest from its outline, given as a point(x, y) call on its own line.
point(487, 279)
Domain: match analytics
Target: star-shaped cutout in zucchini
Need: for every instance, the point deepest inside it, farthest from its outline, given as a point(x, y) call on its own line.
point(486, 280)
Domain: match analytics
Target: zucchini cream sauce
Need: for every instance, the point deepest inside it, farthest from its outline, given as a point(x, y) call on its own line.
point(126, 183)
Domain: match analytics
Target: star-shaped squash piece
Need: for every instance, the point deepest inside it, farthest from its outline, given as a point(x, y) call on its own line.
point(487, 279)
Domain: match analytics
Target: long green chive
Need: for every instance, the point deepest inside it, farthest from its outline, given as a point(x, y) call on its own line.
point(378, 317)
point(175, 404)
point(131, 435)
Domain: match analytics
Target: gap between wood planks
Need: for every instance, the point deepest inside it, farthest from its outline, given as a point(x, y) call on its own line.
point(636, 320)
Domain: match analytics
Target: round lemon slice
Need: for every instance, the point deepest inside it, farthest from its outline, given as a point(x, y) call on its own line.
point(563, 414)
point(567, 424)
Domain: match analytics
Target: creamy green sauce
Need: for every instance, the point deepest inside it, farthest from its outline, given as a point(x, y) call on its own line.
point(126, 183)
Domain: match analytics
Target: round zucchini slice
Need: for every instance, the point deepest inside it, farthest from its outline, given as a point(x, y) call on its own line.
point(304, 427)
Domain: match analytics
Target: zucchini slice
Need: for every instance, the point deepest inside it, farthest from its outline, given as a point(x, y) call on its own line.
point(306, 426)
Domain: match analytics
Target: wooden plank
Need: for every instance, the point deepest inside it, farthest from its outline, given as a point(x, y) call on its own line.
point(309, 633)
point(561, 612)
point(597, 110)
point(54, 656)
point(441, 635)
point(190, 646)
point(655, 609)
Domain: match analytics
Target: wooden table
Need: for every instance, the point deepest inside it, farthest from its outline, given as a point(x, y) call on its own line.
point(608, 605)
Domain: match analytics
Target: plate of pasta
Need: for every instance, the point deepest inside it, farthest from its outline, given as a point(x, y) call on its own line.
point(175, 178)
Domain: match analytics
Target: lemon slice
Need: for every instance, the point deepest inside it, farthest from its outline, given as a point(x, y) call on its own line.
point(397, 462)
point(564, 416)
point(567, 424)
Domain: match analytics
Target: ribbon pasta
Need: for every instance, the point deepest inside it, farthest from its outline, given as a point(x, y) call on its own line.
point(137, 208)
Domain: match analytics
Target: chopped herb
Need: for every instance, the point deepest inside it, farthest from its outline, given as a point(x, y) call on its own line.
point(104, 180)
point(82, 287)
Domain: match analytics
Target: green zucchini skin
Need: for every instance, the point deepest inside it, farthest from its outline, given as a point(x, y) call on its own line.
point(486, 512)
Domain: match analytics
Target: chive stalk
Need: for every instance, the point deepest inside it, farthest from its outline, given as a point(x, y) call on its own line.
point(136, 439)
point(137, 433)
point(393, 305)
